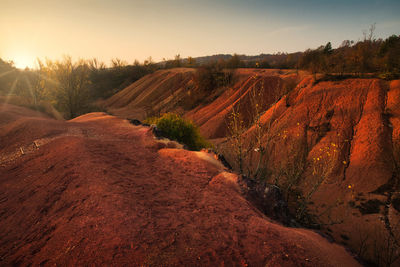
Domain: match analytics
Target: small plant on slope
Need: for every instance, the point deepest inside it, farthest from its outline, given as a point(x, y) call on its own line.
point(177, 128)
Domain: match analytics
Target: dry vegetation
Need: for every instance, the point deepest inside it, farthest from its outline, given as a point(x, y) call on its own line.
point(71, 87)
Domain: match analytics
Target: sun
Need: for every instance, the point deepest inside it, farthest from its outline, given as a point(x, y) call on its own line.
point(22, 61)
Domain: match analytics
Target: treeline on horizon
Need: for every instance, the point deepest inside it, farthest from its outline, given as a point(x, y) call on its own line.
point(376, 57)
point(73, 86)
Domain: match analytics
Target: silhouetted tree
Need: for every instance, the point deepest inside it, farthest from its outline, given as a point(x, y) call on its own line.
point(118, 63)
point(234, 62)
point(390, 52)
point(37, 80)
point(191, 62)
point(177, 61)
point(72, 91)
point(264, 64)
point(328, 49)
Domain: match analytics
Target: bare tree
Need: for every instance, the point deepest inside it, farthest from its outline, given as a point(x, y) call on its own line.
point(72, 92)
point(118, 63)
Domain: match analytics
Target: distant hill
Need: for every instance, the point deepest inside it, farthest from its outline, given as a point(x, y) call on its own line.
point(278, 60)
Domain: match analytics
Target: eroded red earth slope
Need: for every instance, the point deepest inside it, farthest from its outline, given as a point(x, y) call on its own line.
point(336, 143)
point(98, 191)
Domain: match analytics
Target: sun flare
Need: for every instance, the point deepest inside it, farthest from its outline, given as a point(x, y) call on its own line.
point(23, 61)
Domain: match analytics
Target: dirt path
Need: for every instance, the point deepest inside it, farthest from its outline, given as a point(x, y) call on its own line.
point(99, 191)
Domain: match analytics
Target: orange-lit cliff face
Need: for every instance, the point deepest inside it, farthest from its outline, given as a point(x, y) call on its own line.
point(170, 90)
point(333, 143)
point(337, 142)
point(97, 190)
point(158, 92)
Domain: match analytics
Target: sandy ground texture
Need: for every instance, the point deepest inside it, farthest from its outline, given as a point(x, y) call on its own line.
point(98, 191)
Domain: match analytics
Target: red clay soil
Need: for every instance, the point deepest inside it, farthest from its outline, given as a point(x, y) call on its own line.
point(157, 92)
point(269, 85)
point(343, 137)
point(97, 190)
point(168, 90)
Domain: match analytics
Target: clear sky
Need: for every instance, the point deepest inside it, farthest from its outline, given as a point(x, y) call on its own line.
point(137, 29)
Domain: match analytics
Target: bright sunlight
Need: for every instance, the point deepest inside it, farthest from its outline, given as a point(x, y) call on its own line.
point(22, 60)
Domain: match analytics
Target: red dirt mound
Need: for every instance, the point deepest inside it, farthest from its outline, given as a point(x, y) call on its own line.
point(160, 91)
point(98, 191)
point(169, 90)
point(338, 144)
point(334, 144)
point(263, 86)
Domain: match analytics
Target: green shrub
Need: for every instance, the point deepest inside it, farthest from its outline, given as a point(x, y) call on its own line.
point(151, 120)
point(177, 128)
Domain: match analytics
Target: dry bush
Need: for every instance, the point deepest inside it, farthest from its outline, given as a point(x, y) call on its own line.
point(323, 165)
point(255, 147)
point(378, 247)
point(236, 139)
point(210, 77)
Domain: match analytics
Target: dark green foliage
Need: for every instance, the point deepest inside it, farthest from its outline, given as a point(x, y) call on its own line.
point(176, 128)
